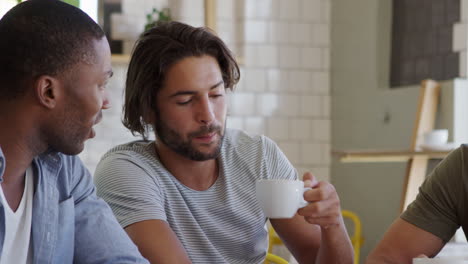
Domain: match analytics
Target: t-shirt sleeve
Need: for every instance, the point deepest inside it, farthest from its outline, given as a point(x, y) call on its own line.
point(127, 185)
point(277, 165)
point(435, 207)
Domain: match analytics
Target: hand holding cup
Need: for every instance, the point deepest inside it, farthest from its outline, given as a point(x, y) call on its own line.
point(324, 204)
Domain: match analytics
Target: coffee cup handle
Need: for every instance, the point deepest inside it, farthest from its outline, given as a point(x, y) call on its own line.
point(303, 203)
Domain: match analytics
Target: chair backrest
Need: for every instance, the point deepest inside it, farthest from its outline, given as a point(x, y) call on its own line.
point(274, 259)
point(356, 238)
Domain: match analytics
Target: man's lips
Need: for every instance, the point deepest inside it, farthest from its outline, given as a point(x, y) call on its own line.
point(206, 137)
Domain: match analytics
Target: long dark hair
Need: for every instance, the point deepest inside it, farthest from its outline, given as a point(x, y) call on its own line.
point(154, 53)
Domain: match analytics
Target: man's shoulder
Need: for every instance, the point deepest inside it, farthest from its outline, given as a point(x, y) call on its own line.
point(241, 142)
point(463, 150)
point(237, 137)
point(138, 147)
point(455, 161)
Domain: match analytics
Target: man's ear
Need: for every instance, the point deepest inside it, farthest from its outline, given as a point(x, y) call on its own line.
point(47, 89)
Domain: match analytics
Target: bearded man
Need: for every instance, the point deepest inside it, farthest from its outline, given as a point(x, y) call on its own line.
point(189, 196)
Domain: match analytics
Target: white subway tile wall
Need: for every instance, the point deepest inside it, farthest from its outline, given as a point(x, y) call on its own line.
point(284, 90)
point(278, 128)
point(311, 11)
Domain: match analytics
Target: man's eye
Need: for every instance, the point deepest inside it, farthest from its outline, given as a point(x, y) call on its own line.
point(184, 102)
point(216, 95)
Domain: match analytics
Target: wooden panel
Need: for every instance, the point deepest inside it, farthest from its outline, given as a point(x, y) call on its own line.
point(210, 14)
point(425, 119)
point(415, 176)
point(426, 112)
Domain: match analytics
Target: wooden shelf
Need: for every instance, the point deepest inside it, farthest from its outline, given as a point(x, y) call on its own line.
point(386, 155)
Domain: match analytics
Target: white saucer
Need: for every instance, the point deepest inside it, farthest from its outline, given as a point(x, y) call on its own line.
point(445, 147)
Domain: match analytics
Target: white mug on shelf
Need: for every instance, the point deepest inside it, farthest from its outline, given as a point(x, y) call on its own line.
point(436, 137)
point(280, 198)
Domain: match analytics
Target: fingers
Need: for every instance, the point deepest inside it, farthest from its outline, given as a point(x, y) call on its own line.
point(321, 209)
point(309, 180)
point(322, 191)
point(324, 205)
point(324, 214)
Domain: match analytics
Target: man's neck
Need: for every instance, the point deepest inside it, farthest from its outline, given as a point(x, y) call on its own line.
point(197, 175)
point(20, 142)
point(18, 158)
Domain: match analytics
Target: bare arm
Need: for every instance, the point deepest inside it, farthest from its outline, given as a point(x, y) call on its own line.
point(317, 234)
point(157, 242)
point(301, 238)
point(402, 242)
point(336, 246)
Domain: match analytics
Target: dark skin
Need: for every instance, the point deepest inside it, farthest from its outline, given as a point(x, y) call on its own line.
point(29, 122)
point(20, 138)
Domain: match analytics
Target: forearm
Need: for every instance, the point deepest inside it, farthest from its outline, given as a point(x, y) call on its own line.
point(335, 246)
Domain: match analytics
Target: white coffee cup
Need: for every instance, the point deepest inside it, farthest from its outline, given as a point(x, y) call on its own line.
point(436, 137)
point(280, 198)
point(441, 260)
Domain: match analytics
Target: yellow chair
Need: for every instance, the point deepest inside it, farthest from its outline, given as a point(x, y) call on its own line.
point(356, 239)
point(274, 259)
point(273, 239)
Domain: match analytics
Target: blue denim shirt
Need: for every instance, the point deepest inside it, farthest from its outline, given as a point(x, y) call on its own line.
point(70, 224)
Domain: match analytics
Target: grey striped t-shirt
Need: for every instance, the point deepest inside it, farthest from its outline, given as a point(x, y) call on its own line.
point(223, 224)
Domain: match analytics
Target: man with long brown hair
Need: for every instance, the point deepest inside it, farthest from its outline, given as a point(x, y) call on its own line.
point(189, 196)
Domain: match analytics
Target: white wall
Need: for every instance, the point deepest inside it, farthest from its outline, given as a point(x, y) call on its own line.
point(285, 88)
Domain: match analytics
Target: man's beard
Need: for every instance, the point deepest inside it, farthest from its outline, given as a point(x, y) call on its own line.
point(176, 143)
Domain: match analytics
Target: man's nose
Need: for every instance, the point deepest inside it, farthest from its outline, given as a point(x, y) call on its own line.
point(205, 113)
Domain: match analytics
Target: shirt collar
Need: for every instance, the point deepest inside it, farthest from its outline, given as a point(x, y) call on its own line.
point(51, 157)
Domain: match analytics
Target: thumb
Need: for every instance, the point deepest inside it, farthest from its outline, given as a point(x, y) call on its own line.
point(309, 180)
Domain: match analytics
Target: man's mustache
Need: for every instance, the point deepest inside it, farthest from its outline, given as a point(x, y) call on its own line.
point(206, 130)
